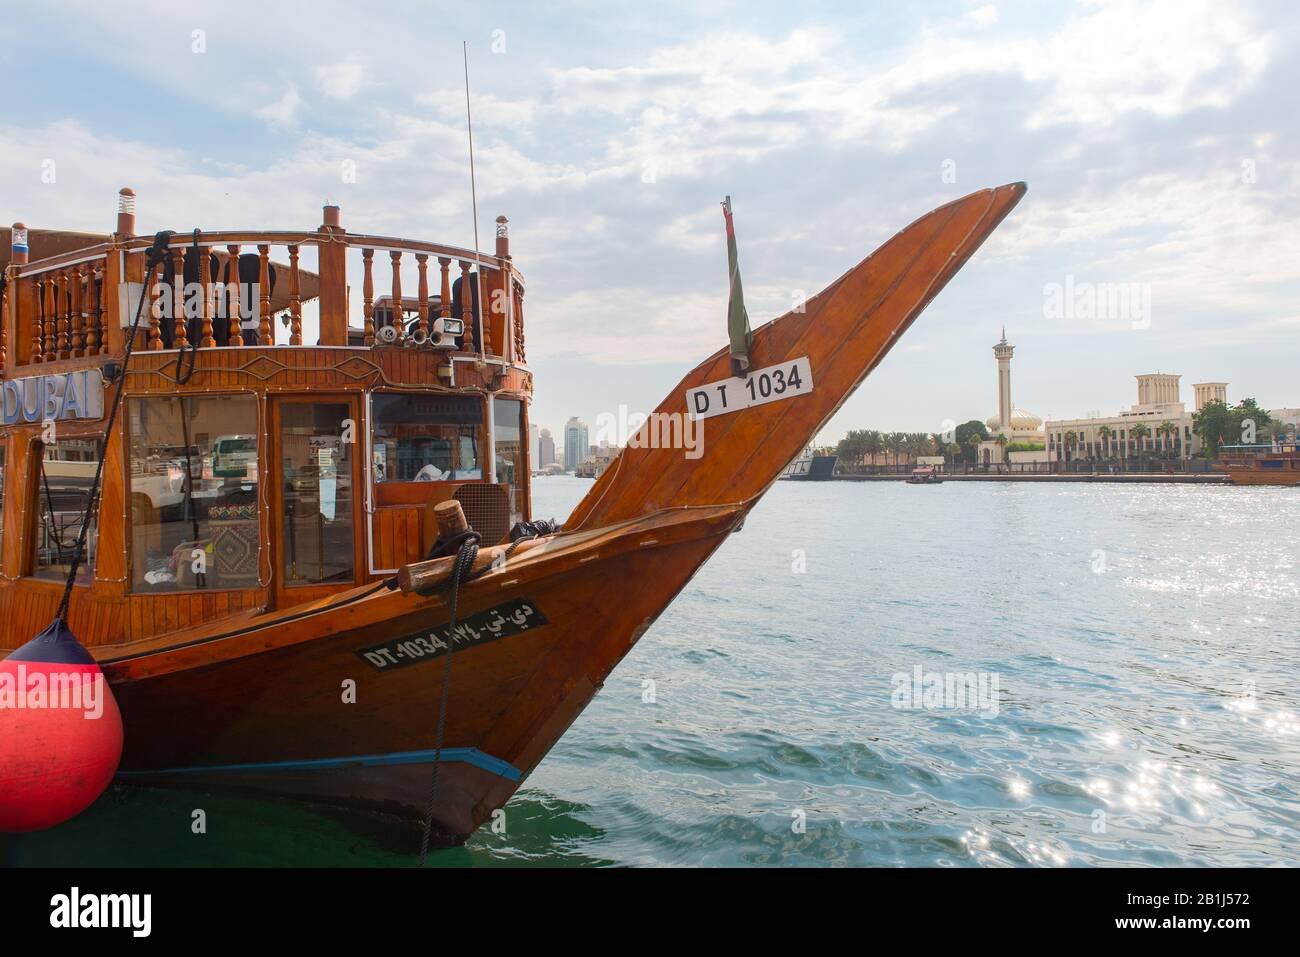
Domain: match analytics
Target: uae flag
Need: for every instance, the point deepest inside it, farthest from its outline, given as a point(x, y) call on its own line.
point(737, 317)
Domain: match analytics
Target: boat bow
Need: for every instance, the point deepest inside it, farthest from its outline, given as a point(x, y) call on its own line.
point(843, 332)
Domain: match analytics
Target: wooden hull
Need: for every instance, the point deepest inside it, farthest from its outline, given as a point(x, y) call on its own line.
point(289, 702)
point(1284, 477)
point(265, 710)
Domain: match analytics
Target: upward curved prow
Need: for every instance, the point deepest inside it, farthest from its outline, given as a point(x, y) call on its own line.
point(825, 350)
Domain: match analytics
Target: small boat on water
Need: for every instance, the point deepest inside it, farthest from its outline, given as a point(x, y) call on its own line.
point(811, 467)
point(1278, 464)
point(258, 587)
point(925, 475)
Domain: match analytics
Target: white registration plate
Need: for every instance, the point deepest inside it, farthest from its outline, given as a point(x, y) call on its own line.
point(784, 381)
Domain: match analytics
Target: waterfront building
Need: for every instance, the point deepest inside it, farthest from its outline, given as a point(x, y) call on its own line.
point(545, 449)
point(1157, 424)
point(575, 443)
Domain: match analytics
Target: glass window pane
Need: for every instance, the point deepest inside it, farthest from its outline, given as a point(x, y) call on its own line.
point(194, 517)
point(426, 438)
point(2, 486)
point(62, 492)
point(508, 439)
point(317, 473)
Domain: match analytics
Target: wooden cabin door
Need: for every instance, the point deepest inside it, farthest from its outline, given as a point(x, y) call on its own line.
point(316, 505)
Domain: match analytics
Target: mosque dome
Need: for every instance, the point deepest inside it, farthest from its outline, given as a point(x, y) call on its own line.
point(1021, 421)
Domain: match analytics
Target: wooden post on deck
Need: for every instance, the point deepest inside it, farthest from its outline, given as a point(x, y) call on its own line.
point(422, 263)
point(180, 336)
point(51, 302)
point(368, 296)
point(397, 314)
point(234, 301)
point(295, 299)
point(466, 307)
point(333, 263)
point(11, 346)
point(265, 328)
point(78, 274)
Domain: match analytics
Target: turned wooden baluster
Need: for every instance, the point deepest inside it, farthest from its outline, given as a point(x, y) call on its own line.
point(233, 298)
point(94, 314)
point(180, 334)
point(519, 322)
point(51, 319)
point(422, 263)
point(295, 302)
point(444, 296)
point(38, 322)
point(265, 328)
point(206, 312)
point(64, 321)
point(397, 296)
point(78, 274)
point(155, 300)
point(466, 306)
point(485, 309)
point(368, 297)
point(4, 333)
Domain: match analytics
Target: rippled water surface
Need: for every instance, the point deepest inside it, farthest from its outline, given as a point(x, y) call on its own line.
point(1143, 641)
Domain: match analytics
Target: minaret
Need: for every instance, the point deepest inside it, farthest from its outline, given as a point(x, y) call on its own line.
point(1003, 351)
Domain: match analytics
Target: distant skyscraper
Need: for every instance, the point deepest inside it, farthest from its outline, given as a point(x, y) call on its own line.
point(546, 449)
point(534, 447)
point(575, 443)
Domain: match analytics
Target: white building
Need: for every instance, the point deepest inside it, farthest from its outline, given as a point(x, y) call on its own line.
point(1159, 424)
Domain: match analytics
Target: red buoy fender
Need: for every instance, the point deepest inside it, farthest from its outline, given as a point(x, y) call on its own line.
point(60, 731)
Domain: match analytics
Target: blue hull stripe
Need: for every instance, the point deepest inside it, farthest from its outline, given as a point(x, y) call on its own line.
point(466, 755)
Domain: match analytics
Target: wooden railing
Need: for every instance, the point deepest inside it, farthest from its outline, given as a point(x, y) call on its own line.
point(68, 306)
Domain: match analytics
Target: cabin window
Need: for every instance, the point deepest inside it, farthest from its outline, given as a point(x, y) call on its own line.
point(316, 475)
point(508, 439)
point(2, 487)
point(426, 438)
point(194, 493)
point(67, 469)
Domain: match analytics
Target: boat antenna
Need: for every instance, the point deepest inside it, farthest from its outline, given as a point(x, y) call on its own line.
point(155, 256)
point(473, 196)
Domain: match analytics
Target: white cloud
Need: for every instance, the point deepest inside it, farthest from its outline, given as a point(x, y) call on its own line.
point(283, 111)
point(984, 16)
point(341, 81)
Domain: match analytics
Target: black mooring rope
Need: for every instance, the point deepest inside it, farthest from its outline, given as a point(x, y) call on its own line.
point(154, 256)
point(459, 571)
point(462, 574)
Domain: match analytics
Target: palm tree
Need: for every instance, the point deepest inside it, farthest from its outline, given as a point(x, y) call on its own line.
point(1167, 431)
point(974, 442)
point(1104, 433)
point(1139, 433)
point(1001, 440)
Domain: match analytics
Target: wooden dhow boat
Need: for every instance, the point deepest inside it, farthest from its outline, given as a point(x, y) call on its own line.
point(257, 589)
point(1276, 464)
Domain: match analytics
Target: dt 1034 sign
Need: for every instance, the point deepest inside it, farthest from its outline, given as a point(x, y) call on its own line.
point(509, 618)
point(784, 381)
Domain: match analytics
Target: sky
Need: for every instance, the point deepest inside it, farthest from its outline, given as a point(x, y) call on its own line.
point(1159, 141)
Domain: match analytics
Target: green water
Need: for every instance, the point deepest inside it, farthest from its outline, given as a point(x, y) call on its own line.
point(1144, 639)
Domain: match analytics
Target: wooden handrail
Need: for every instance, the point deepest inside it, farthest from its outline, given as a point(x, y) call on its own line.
point(65, 306)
